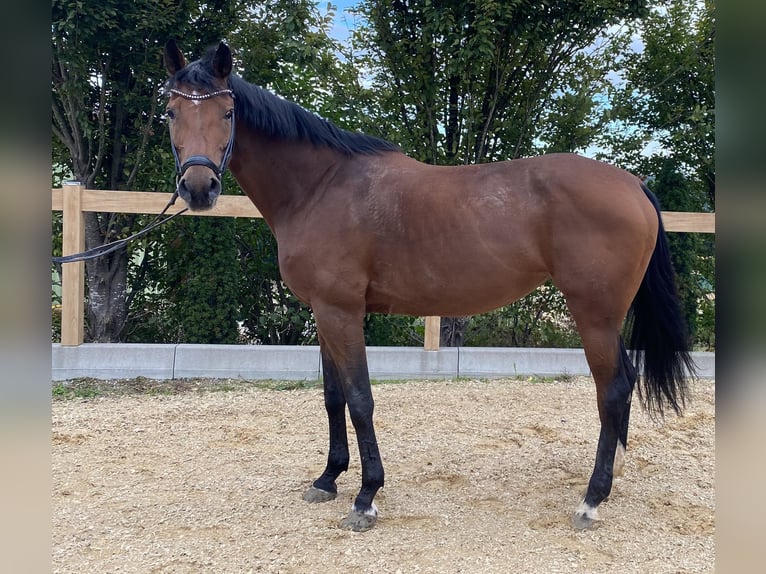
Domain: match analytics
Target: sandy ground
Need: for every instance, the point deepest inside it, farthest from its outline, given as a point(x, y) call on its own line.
point(480, 477)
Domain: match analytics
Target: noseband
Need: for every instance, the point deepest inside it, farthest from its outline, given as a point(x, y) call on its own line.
point(201, 159)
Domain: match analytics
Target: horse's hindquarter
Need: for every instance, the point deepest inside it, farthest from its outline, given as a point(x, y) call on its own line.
point(603, 227)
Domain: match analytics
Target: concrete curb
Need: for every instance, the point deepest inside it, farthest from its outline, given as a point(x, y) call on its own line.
point(253, 362)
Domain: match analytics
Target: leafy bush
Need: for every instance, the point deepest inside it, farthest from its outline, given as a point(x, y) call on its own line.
point(270, 313)
point(393, 330)
point(541, 319)
point(55, 323)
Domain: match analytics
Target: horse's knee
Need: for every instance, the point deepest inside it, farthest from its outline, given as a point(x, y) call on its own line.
point(361, 407)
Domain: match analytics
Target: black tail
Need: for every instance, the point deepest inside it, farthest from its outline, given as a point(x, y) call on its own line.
point(658, 336)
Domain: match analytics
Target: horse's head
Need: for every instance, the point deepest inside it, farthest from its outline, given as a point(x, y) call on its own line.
point(200, 113)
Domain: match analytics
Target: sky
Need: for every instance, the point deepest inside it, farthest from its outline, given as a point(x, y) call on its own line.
point(342, 21)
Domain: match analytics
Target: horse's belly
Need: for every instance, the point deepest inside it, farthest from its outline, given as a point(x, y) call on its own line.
point(425, 295)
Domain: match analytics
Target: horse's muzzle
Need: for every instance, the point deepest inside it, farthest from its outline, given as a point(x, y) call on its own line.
point(199, 188)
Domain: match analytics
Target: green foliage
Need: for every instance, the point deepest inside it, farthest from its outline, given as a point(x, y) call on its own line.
point(668, 100)
point(73, 390)
point(203, 275)
point(271, 314)
point(282, 44)
point(393, 330)
point(468, 82)
point(668, 94)
point(541, 319)
point(108, 133)
point(692, 254)
point(191, 284)
point(105, 77)
point(56, 323)
point(477, 81)
point(451, 82)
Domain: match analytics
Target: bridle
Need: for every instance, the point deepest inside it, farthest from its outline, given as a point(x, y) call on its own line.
point(202, 160)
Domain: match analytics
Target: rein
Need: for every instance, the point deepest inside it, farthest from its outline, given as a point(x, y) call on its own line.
point(100, 250)
point(202, 160)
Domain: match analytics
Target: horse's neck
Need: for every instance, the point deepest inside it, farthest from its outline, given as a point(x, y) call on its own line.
point(279, 176)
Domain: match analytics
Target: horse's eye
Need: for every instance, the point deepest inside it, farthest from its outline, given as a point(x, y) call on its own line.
point(229, 114)
point(170, 114)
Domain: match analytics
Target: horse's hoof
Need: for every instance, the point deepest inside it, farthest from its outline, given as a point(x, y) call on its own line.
point(360, 521)
point(585, 517)
point(582, 522)
point(315, 494)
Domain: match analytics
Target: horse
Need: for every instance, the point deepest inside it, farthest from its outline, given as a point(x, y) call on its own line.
point(361, 227)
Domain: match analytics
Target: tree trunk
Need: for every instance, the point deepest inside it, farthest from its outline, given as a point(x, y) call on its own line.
point(106, 284)
point(452, 331)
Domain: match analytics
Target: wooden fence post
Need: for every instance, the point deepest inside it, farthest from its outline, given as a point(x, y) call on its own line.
point(72, 274)
point(431, 339)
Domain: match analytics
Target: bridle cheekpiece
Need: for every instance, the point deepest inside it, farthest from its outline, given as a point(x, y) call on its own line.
point(202, 160)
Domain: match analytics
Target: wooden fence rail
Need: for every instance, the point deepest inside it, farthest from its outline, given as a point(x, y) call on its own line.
point(73, 200)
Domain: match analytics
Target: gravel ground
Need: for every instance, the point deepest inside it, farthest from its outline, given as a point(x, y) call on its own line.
point(481, 476)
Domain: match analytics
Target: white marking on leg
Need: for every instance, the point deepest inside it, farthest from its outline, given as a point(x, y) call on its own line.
point(372, 511)
point(619, 459)
point(587, 511)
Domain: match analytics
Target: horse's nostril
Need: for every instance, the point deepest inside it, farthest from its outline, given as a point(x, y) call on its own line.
point(183, 190)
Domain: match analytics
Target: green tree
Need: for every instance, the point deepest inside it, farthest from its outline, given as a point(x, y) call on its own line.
point(202, 275)
point(668, 96)
point(293, 53)
point(468, 82)
point(109, 134)
point(106, 75)
point(663, 128)
point(692, 253)
point(287, 49)
point(539, 320)
point(271, 314)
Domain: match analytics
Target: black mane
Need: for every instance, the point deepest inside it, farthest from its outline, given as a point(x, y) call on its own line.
point(261, 110)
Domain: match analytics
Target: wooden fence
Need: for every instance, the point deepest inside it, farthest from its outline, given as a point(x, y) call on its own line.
point(73, 200)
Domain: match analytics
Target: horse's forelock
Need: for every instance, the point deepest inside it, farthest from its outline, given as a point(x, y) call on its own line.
point(198, 74)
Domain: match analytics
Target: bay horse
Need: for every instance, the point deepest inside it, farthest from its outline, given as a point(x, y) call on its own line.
point(361, 227)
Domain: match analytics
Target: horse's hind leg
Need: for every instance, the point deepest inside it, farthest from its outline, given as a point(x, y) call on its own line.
point(324, 487)
point(615, 378)
point(622, 439)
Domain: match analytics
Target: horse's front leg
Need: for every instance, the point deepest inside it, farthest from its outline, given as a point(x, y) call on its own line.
point(364, 513)
point(341, 338)
point(324, 487)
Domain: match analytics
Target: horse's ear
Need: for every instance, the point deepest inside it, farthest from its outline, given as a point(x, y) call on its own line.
point(174, 59)
point(222, 63)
